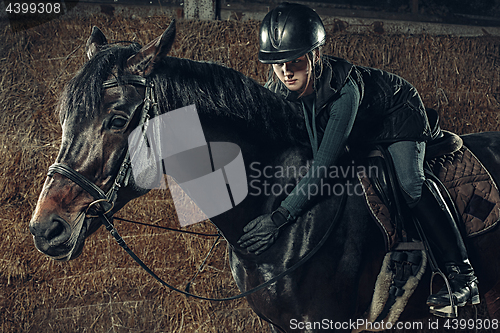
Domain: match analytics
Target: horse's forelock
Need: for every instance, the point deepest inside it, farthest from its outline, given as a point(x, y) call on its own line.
point(83, 94)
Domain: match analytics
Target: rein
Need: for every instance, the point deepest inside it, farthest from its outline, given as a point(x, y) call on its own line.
point(106, 201)
point(289, 270)
point(166, 228)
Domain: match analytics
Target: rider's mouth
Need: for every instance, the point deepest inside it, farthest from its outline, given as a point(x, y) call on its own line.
point(291, 82)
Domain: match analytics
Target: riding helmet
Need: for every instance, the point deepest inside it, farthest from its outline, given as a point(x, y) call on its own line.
point(288, 32)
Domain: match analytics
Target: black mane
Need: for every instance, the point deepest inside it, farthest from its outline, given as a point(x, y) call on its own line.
point(222, 92)
point(217, 91)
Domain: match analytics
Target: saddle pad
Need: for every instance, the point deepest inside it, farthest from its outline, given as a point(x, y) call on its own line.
point(470, 185)
point(399, 276)
point(472, 189)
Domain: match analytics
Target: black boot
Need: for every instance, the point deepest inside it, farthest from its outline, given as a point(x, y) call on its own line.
point(448, 247)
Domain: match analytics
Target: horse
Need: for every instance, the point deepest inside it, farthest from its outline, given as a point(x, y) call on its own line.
point(101, 106)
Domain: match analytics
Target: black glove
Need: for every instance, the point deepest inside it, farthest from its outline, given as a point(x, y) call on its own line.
point(262, 232)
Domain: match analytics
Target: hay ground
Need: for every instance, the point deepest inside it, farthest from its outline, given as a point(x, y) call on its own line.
point(103, 290)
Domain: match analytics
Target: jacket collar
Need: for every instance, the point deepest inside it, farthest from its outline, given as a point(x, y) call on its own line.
point(334, 76)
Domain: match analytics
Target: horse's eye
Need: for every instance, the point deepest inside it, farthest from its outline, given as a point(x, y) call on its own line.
point(118, 122)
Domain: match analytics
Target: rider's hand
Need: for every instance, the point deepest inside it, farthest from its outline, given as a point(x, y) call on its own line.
point(263, 231)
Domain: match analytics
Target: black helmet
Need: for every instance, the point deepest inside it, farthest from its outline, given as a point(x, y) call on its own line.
point(289, 31)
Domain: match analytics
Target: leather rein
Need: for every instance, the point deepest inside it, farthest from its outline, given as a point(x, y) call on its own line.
point(104, 202)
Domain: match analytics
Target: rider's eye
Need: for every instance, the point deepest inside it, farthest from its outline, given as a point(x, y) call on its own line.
point(118, 122)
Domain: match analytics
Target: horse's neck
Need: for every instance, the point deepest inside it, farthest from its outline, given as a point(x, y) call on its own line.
point(268, 174)
point(240, 111)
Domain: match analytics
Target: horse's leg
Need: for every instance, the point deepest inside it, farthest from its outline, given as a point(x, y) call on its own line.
point(492, 298)
point(240, 277)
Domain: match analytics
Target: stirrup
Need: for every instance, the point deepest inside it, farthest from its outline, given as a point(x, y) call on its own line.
point(451, 310)
point(447, 311)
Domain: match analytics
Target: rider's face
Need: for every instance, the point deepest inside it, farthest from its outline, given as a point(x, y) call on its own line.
point(294, 74)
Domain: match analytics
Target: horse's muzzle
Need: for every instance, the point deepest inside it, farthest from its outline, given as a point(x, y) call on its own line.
point(54, 237)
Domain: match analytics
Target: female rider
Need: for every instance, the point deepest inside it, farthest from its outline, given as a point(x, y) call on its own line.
point(344, 102)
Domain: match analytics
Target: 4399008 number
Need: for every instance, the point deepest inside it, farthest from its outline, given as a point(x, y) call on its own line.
point(33, 8)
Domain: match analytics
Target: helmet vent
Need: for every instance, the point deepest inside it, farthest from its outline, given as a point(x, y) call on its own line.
point(276, 30)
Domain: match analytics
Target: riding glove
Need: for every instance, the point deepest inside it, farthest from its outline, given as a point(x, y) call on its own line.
point(263, 231)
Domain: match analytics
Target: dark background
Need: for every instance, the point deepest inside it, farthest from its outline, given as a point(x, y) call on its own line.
point(443, 8)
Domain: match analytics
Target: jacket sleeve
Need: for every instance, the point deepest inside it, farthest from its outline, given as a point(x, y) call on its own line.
point(342, 115)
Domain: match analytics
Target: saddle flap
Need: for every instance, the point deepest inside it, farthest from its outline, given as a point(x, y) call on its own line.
point(379, 196)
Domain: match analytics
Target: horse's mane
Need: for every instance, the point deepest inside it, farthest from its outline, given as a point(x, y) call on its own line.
point(227, 94)
point(217, 91)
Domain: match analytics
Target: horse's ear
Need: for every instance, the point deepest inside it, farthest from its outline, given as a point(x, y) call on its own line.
point(143, 62)
point(96, 40)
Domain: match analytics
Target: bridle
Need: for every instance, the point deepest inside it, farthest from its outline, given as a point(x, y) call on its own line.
point(107, 200)
point(104, 202)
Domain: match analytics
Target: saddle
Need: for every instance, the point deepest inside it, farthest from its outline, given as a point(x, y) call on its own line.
point(465, 183)
point(469, 191)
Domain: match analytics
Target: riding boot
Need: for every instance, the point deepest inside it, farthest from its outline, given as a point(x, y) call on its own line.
point(447, 244)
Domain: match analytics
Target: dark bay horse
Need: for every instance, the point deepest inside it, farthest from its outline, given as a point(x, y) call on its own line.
point(335, 284)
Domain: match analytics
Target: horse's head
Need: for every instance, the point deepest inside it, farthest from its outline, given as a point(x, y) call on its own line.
point(98, 110)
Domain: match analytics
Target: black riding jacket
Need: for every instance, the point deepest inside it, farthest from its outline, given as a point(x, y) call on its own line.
point(386, 109)
point(390, 109)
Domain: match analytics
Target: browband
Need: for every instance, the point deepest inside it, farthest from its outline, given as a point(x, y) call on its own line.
point(135, 80)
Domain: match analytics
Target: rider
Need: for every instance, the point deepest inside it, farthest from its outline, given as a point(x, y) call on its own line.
point(344, 102)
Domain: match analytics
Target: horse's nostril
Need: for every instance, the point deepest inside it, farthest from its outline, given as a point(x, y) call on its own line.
point(53, 230)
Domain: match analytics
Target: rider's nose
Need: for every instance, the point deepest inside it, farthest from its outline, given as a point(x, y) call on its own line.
point(286, 70)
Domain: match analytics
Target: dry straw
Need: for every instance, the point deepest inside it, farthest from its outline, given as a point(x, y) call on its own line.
point(104, 290)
